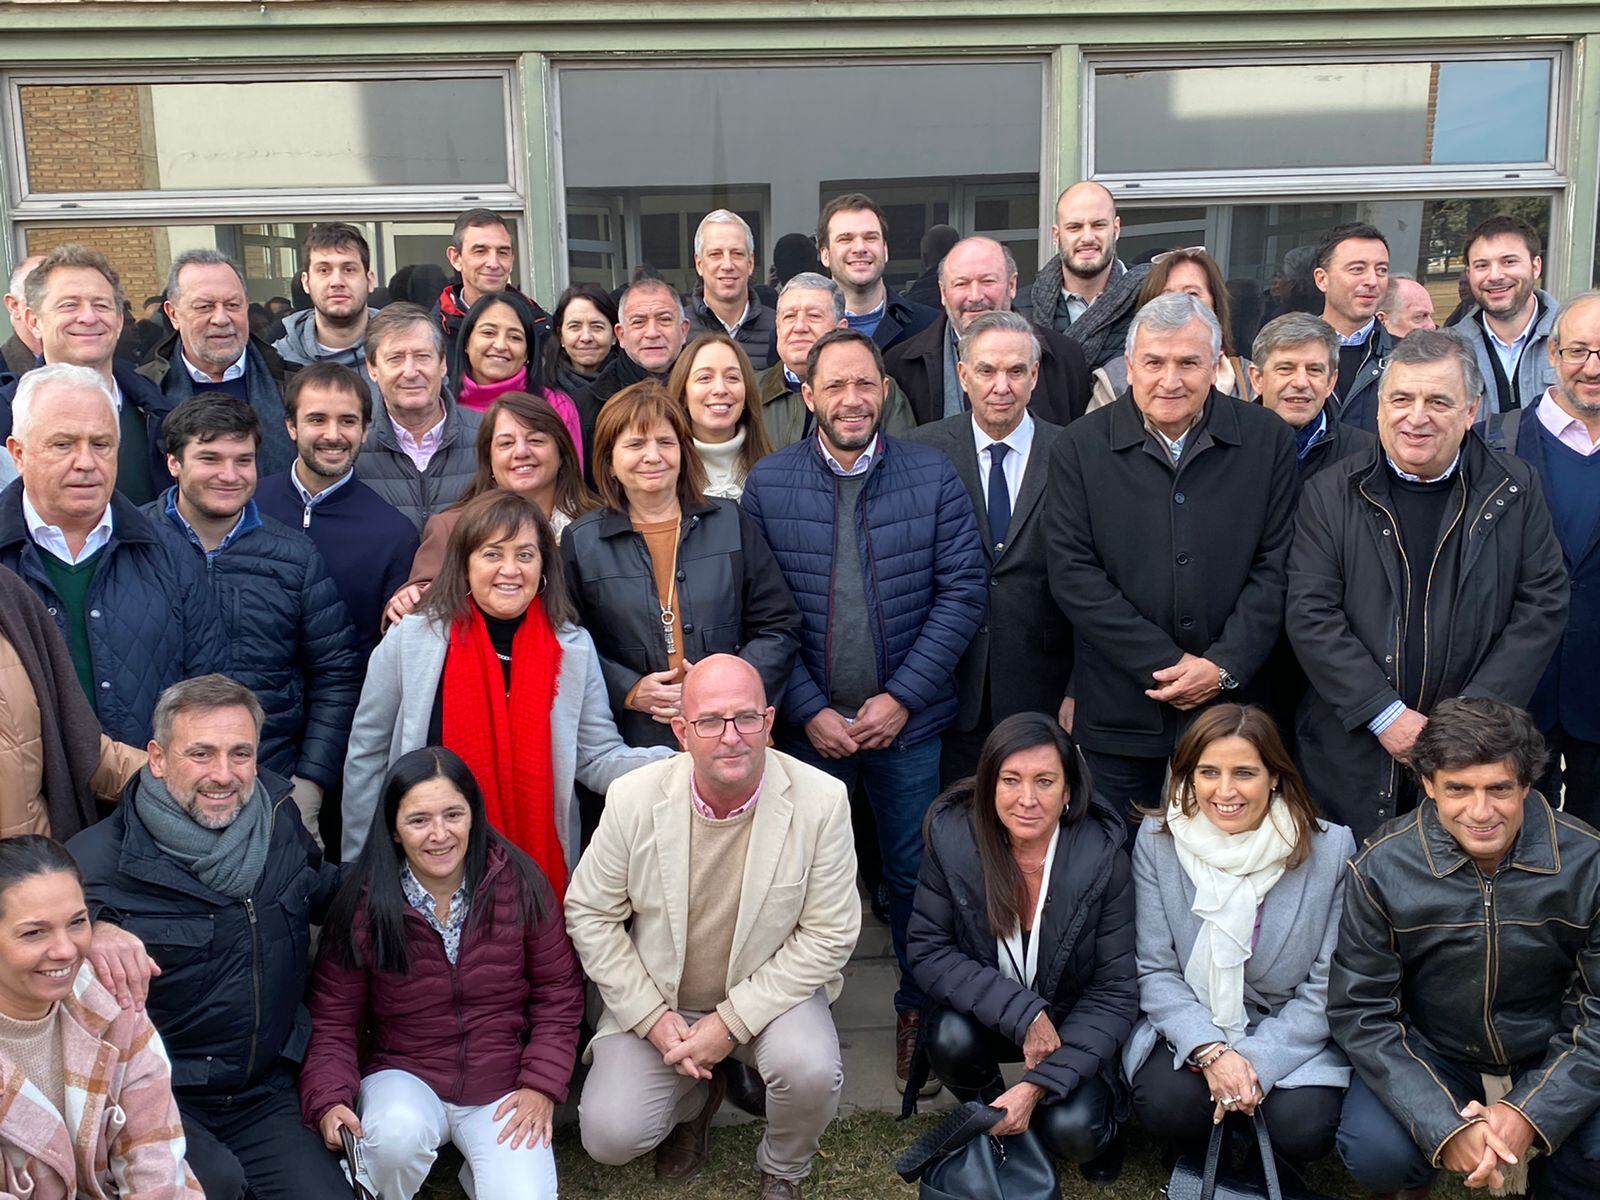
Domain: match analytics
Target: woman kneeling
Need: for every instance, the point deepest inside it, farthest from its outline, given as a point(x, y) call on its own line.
point(448, 941)
point(1021, 936)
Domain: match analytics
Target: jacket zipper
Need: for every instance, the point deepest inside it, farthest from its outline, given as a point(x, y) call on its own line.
point(461, 1024)
point(1427, 594)
point(255, 988)
point(1492, 962)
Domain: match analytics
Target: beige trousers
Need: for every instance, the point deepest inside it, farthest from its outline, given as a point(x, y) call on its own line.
point(632, 1099)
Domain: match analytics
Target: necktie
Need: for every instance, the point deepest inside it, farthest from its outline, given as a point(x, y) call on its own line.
point(999, 494)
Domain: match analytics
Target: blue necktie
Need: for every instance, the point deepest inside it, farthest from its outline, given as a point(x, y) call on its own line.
point(999, 494)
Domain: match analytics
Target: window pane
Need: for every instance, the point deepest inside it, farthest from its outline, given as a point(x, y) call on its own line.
point(774, 143)
point(263, 135)
point(1267, 250)
point(1298, 116)
point(270, 254)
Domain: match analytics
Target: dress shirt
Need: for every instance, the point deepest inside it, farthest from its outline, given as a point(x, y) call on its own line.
point(863, 464)
point(236, 371)
point(249, 518)
point(419, 450)
point(307, 498)
point(422, 900)
point(709, 813)
point(1565, 427)
point(1173, 446)
point(52, 540)
point(1360, 336)
point(1510, 352)
point(1020, 442)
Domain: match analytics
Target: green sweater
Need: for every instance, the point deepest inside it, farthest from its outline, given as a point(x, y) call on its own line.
point(71, 585)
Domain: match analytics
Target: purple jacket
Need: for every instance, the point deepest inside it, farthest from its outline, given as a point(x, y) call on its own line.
point(504, 1017)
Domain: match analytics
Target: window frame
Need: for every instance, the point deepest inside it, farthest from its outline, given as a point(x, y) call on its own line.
point(1552, 173)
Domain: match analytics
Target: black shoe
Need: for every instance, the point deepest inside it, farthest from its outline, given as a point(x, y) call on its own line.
point(1105, 1167)
point(880, 903)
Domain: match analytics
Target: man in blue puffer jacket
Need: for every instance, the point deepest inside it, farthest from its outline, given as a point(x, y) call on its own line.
point(290, 635)
point(878, 542)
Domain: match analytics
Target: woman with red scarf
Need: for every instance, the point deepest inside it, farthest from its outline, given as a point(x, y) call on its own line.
point(493, 666)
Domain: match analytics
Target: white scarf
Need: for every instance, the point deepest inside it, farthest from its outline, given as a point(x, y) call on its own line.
point(1232, 874)
point(723, 469)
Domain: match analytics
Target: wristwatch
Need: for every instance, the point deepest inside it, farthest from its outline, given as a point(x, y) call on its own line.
point(1226, 681)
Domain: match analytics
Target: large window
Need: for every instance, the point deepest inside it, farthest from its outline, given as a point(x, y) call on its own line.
point(649, 150)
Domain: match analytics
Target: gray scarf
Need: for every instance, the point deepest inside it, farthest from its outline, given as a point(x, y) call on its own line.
point(230, 860)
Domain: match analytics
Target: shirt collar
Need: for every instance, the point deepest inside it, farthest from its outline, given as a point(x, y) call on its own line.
point(863, 464)
point(428, 440)
point(706, 811)
point(1563, 426)
point(422, 899)
point(1516, 341)
point(1173, 446)
point(1311, 433)
point(249, 518)
point(791, 379)
point(236, 371)
point(1360, 336)
point(1020, 439)
point(1410, 478)
point(54, 539)
point(307, 498)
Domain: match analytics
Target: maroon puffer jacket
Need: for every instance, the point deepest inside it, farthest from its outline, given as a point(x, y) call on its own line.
point(504, 1017)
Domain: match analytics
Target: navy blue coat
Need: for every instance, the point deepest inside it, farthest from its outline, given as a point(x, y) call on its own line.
point(289, 637)
point(1569, 693)
point(925, 571)
point(152, 620)
point(228, 1000)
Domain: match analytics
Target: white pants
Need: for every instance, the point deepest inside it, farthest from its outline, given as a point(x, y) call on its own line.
point(405, 1122)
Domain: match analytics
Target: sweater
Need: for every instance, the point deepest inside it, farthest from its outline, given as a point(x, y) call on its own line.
point(716, 848)
point(35, 1046)
point(1573, 493)
point(724, 471)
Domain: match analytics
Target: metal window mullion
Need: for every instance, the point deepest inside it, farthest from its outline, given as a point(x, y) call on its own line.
point(1196, 186)
point(169, 209)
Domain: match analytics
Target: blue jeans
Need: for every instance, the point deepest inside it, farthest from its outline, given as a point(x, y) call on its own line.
point(900, 784)
point(1381, 1155)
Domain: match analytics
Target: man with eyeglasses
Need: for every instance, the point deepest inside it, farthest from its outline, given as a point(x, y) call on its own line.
point(715, 910)
point(1560, 439)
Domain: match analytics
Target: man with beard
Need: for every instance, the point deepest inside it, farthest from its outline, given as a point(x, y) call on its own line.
point(978, 275)
point(1352, 273)
point(1085, 291)
point(366, 544)
point(1511, 320)
point(337, 275)
point(853, 247)
point(206, 865)
point(878, 542)
point(1560, 439)
point(651, 330)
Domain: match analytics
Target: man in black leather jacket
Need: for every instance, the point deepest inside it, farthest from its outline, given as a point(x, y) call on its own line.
point(1467, 964)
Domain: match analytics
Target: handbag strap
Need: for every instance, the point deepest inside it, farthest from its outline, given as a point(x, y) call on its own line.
point(1269, 1163)
point(1208, 1181)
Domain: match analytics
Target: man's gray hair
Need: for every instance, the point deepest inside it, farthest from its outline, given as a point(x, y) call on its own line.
point(1425, 346)
point(396, 318)
point(723, 216)
point(642, 286)
point(19, 276)
point(1005, 253)
point(1291, 330)
point(1572, 302)
point(199, 258)
point(810, 281)
point(58, 377)
point(1390, 303)
point(203, 693)
point(1003, 321)
point(1171, 313)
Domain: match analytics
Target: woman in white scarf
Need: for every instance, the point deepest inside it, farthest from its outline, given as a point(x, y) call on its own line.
point(716, 386)
point(1237, 986)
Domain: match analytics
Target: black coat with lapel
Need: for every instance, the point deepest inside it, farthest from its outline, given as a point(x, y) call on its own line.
point(1061, 395)
point(1023, 649)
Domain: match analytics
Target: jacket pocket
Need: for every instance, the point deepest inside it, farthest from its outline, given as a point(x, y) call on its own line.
point(174, 942)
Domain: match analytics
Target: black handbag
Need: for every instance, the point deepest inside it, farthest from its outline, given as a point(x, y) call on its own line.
point(961, 1160)
point(1192, 1180)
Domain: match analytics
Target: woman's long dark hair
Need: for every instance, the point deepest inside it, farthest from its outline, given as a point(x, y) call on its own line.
point(553, 356)
point(30, 854)
point(371, 892)
point(535, 414)
point(1002, 878)
point(524, 311)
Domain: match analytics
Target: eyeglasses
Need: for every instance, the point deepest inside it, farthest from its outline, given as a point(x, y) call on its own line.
point(1156, 259)
point(745, 723)
point(1576, 356)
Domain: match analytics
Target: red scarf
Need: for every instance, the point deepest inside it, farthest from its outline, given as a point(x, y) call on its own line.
point(505, 740)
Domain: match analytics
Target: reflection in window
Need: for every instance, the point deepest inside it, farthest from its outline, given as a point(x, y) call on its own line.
point(1298, 116)
point(774, 143)
point(270, 253)
point(265, 134)
point(1267, 251)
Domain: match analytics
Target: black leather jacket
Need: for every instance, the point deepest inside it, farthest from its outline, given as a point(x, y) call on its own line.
point(1437, 961)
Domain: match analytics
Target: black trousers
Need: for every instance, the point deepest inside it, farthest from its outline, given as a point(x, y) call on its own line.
point(1379, 1152)
point(1126, 784)
point(1177, 1105)
point(1573, 776)
point(966, 1056)
point(255, 1146)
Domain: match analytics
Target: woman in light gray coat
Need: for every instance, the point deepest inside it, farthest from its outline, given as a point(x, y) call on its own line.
point(1239, 890)
point(494, 667)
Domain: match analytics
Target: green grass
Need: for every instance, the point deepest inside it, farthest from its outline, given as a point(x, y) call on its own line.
point(856, 1163)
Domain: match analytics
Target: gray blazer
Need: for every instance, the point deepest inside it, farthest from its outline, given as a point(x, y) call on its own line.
point(397, 704)
point(1285, 980)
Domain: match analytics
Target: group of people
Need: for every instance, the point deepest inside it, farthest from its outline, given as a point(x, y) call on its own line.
point(608, 646)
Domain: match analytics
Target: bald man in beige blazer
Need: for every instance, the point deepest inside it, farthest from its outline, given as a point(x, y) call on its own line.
point(736, 867)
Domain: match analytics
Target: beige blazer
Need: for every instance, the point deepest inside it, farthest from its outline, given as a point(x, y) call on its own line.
point(799, 912)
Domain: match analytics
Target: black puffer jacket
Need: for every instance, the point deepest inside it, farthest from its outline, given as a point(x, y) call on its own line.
point(1087, 977)
point(731, 600)
point(289, 639)
point(1435, 959)
point(227, 1002)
